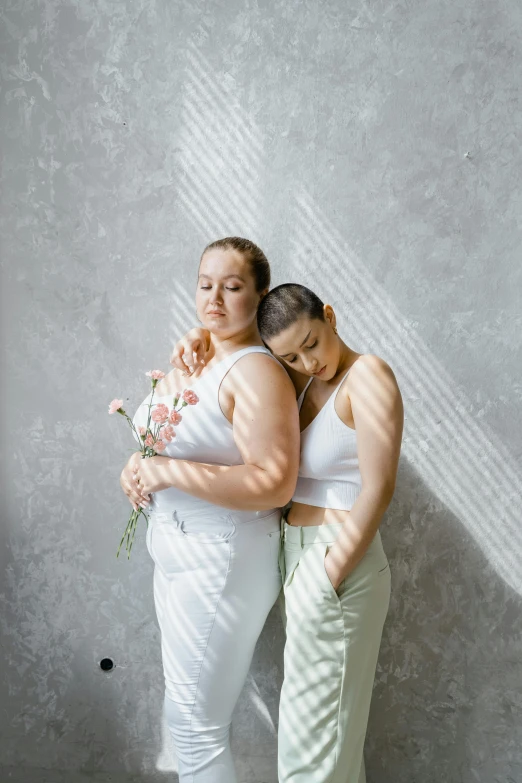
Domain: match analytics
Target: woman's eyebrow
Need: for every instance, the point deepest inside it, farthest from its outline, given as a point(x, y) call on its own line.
point(282, 355)
point(224, 278)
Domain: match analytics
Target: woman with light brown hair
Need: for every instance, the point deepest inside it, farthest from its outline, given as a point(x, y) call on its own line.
point(215, 497)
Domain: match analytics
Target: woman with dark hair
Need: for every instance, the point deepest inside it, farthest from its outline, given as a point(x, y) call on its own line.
point(215, 496)
point(336, 575)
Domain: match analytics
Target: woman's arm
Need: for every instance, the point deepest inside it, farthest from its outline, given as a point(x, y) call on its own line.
point(193, 350)
point(378, 415)
point(266, 431)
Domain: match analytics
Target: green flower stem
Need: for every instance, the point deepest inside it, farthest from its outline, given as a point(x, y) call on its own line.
point(133, 428)
point(150, 402)
point(130, 531)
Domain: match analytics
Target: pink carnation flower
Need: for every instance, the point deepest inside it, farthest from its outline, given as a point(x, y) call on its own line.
point(142, 431)
point(190, 397)
point(167, 433)
point(175, 417)
point(160, 414)
point(159, 446)
point(149, 440)
point(115, 406)
point(156, 375)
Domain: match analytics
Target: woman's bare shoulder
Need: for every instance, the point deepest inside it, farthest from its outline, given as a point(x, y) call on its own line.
point(264, 362)
point(371, 375)
point(257, 369)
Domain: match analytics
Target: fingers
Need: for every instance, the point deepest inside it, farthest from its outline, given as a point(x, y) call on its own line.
point(134, 498)
point(139, 495)
point(194, 356)
point(177, 358)
point(188, 355)
point(199, 354)
point(137, 498)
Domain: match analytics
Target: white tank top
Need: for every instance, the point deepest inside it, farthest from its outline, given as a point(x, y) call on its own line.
point(203, 435)
point(329, 475)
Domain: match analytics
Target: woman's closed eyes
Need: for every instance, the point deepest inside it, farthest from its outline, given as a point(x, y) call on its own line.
point(307, 348)
point(208, 288)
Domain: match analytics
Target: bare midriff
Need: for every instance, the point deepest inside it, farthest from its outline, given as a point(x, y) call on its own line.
point(300, 514)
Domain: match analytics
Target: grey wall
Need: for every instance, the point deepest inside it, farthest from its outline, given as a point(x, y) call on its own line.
point(373, 149)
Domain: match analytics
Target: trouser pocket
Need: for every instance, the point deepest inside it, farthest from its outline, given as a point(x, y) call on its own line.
point(311, 596)
point(314, 664)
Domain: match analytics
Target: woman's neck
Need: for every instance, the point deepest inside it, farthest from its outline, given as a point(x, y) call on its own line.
point(221, 347)
point(346, 358)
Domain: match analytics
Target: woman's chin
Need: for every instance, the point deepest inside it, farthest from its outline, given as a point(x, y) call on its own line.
point(323, 375)
point(220, 326)
point(215, 323)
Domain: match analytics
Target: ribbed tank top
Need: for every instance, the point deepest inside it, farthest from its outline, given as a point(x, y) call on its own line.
point(204, 434)
point(329, 475)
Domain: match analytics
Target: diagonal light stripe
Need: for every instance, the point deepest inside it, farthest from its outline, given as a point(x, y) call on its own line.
point(464, 463)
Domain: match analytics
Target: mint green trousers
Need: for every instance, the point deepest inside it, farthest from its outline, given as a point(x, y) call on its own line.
point(331, 650)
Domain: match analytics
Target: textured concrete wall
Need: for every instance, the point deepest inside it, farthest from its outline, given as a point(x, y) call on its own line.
point(373, 149)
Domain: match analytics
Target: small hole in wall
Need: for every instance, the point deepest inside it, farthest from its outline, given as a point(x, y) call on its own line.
point(106, 664)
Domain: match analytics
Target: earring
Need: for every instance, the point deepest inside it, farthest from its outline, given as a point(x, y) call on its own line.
point(335, 329)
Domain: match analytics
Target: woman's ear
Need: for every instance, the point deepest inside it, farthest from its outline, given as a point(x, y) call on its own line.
point(329, 316)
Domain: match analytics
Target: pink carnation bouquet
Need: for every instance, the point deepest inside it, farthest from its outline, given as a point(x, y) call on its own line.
point(153, 438)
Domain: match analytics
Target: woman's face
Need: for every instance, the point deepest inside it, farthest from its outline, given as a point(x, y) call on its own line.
point(310, 346)
point(226, 297)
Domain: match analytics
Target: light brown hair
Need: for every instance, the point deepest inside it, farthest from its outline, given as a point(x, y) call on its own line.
point(252, 253)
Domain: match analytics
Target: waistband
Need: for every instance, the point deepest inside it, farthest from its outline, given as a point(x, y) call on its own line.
point(216, 513)
point(302, 535)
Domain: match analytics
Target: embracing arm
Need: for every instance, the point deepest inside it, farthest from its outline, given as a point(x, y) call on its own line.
point(266, 431)
point(193, 350)
point(378, 415)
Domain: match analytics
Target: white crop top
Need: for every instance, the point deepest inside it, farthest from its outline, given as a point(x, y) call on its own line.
point(204, 434)
point(329, 475)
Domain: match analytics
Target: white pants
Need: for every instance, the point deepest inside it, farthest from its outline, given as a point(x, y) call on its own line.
point(216, 578)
